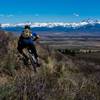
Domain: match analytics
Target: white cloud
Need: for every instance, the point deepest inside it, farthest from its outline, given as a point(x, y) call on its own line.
point(36, 15)
point(1, 15)
point(75, 14)
point(10, 15)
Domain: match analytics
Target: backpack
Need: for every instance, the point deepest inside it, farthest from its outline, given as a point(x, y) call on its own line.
point(26, 33)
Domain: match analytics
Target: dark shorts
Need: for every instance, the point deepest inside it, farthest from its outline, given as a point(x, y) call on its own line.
point(27, 43)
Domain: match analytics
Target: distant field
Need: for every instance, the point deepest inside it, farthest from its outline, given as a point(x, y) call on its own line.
point(83, 48)
point(64, 42)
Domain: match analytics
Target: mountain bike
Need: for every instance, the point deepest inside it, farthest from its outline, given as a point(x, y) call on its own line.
point(32, 61)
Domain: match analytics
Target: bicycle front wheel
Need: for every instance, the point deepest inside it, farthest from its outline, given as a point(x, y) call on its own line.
point(33, 62)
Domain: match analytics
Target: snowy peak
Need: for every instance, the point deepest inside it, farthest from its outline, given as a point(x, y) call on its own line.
point(54, 24)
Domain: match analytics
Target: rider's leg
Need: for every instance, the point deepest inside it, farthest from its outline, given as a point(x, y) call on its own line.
point(26, 59)
point(20, 49)
point(33, 50)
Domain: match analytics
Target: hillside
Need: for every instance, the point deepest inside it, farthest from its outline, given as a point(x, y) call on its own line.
point(60, 77)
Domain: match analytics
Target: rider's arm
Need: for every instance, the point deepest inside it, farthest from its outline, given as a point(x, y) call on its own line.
point(20, 38)
point(36, 37)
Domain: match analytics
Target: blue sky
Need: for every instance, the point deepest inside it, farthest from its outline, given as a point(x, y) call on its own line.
point(14, 11)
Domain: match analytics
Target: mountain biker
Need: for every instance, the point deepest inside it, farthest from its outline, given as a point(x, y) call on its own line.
point(26, 40)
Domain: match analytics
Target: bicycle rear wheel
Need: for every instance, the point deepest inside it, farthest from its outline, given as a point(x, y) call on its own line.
point(33, 62)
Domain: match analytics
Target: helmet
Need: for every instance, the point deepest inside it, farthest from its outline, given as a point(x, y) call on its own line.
point(26, 27)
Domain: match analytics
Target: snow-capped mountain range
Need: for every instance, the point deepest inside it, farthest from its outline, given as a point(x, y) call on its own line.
point(85, 27)
point(53, 24)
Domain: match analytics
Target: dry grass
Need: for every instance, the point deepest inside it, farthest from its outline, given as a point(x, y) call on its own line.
point(58, 78)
